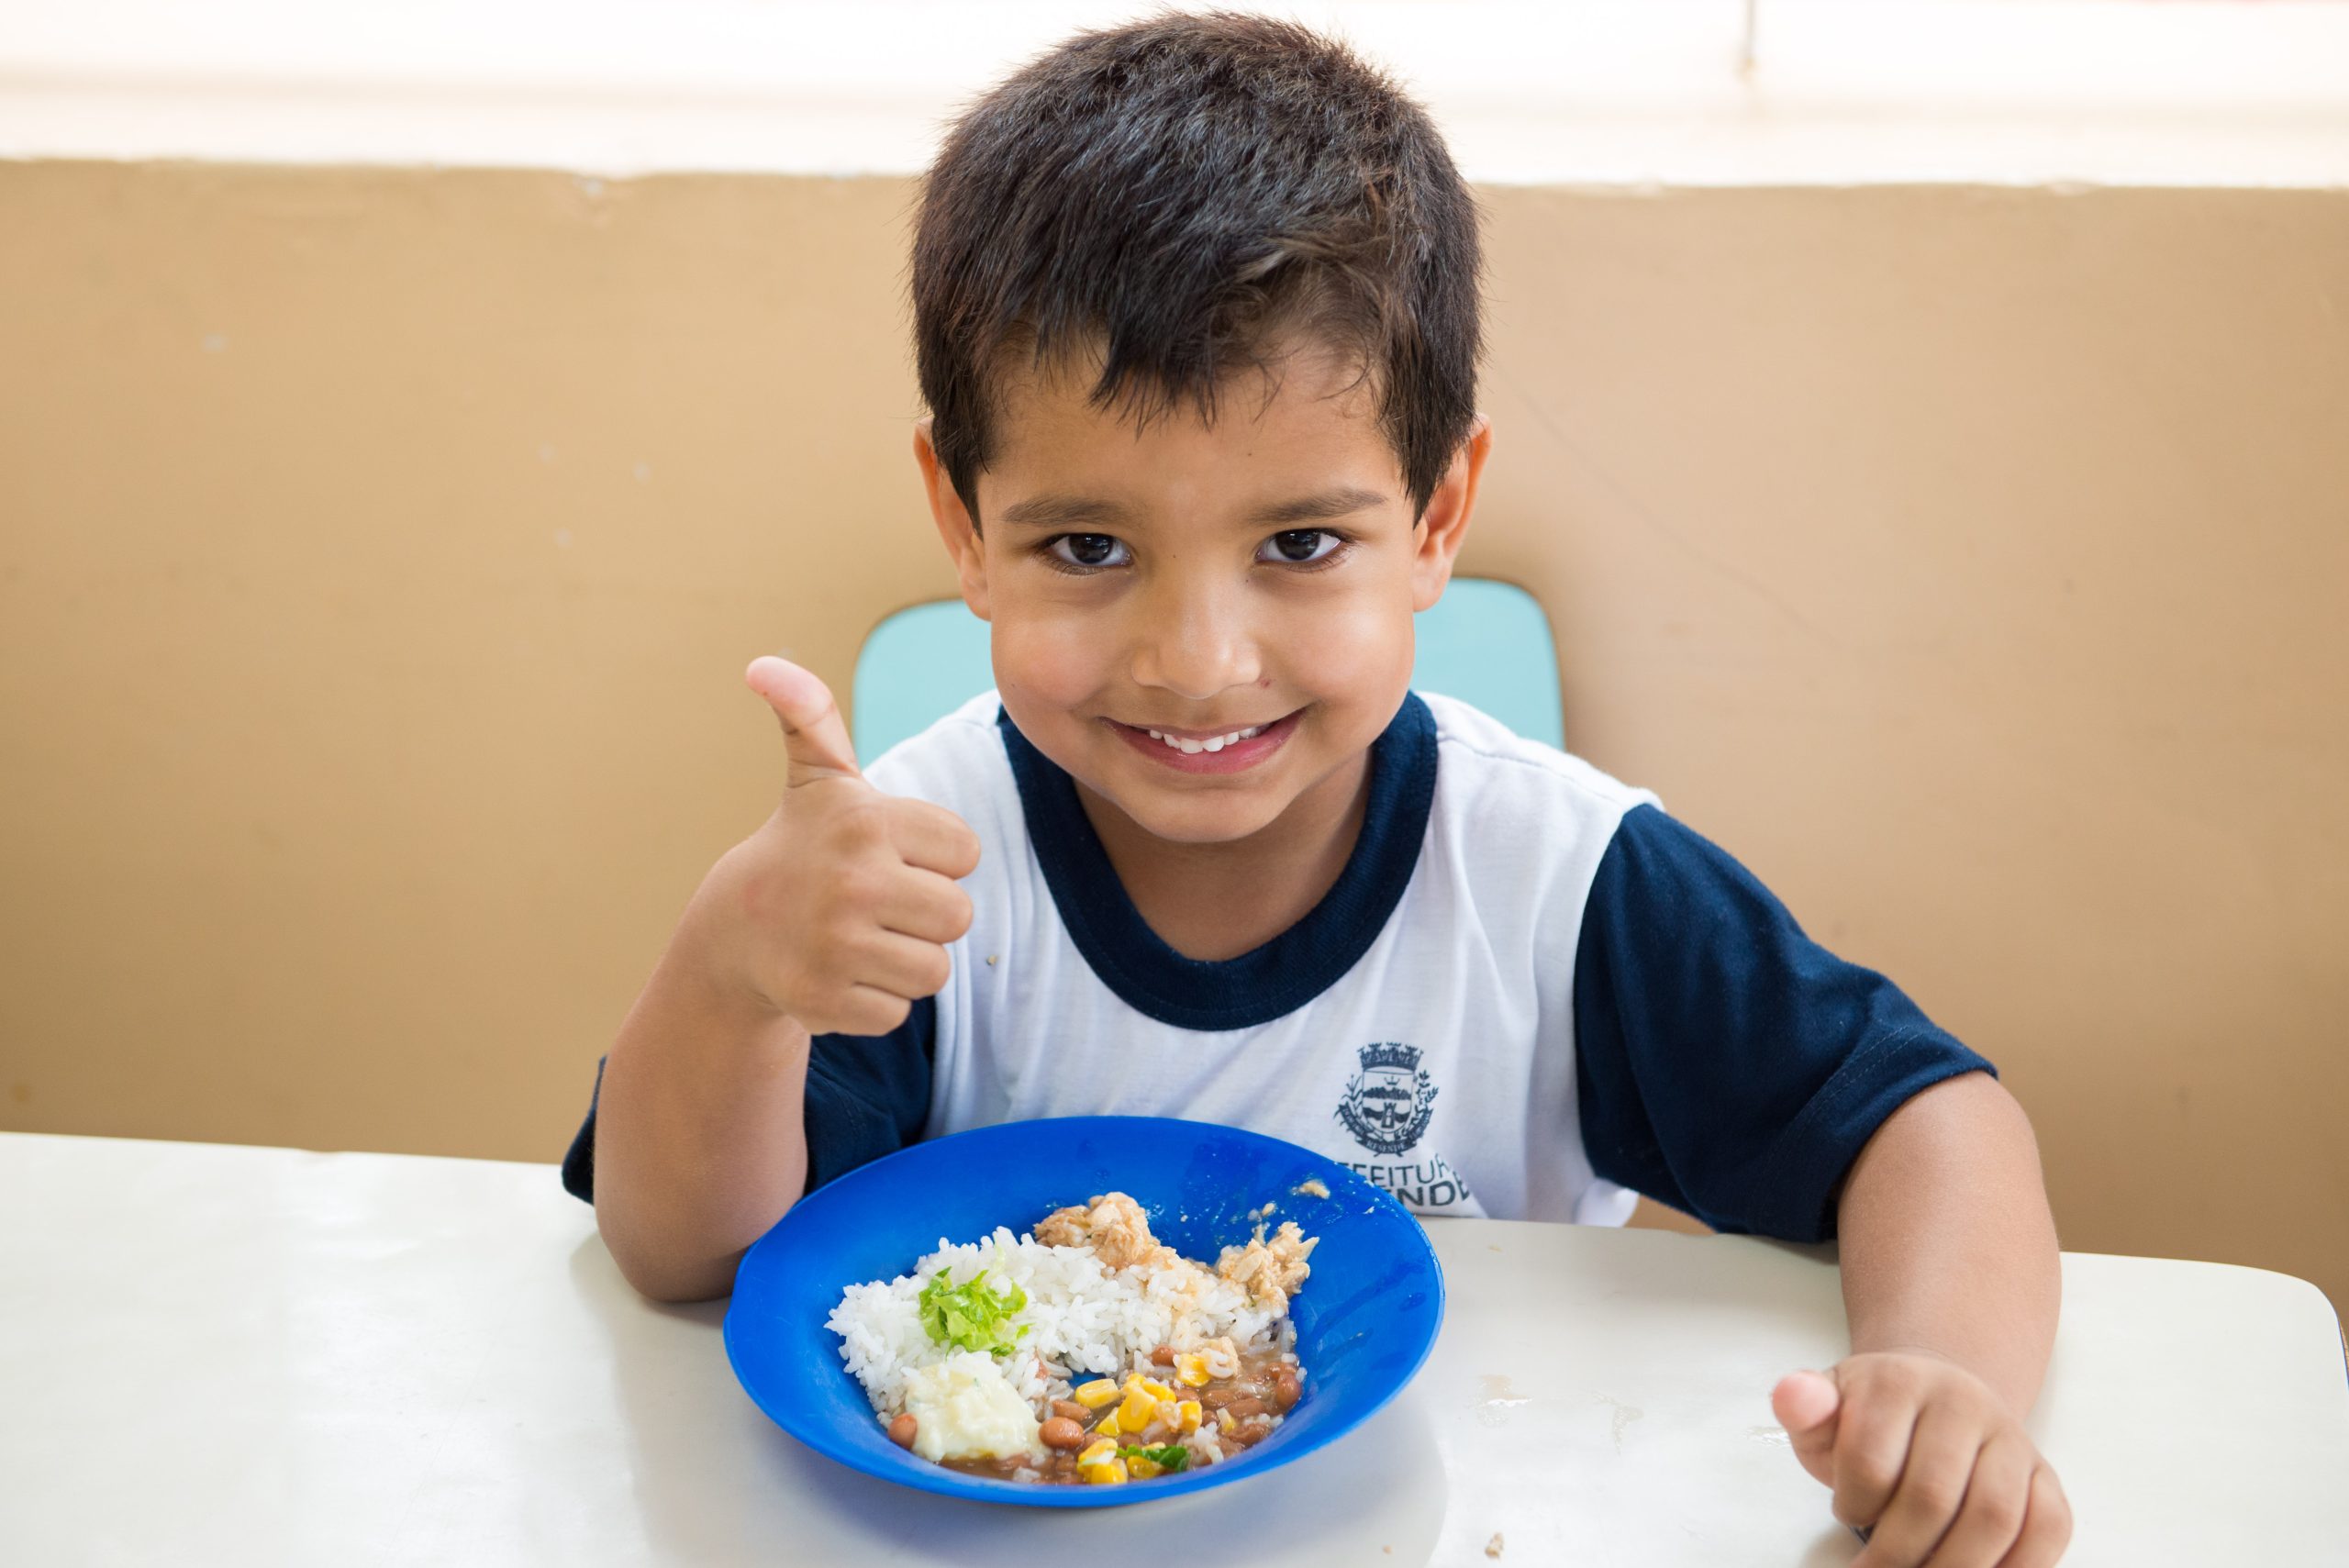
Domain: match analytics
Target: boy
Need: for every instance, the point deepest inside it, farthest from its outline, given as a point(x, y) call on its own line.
point(1196, 303)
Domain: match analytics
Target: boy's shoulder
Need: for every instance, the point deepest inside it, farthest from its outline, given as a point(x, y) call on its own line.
point(1482, 764)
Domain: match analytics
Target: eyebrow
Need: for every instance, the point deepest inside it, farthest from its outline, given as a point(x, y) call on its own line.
point(1073, 511)
point(1321, 508)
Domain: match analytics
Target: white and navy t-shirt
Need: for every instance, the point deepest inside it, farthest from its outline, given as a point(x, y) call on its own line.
point(1530, 995)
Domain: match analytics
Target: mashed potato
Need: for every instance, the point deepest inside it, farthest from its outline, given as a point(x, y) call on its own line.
point(963, 1408)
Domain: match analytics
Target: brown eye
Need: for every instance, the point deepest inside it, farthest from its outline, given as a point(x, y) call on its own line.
point(1299, 546)
point(1088, 549)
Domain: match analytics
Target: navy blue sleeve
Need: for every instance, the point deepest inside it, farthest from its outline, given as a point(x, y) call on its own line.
point(867, 1096)
point(1727, 1065)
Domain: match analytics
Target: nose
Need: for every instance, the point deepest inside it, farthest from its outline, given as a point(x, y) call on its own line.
point(1197, 638)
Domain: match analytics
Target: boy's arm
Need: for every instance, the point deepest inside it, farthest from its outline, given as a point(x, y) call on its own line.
point(1730, 1066)
point(1952, 1283)
point(1948, 1246)
point(832, 917)
point(700, 1144)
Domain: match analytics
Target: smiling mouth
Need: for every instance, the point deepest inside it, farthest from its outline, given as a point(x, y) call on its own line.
point(1192, 745)
point(1245, 744)
point(1208, 752)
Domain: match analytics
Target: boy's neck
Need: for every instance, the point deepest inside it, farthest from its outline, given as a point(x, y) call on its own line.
point(1217, 901)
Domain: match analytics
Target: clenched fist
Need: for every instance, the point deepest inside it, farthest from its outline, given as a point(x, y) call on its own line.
point(1924, 1456)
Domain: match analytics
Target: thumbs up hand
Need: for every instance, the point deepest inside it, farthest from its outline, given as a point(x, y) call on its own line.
point(838, 910)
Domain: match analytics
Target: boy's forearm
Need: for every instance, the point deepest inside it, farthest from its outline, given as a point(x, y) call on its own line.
point(700, 1144)
point(1948, 1246)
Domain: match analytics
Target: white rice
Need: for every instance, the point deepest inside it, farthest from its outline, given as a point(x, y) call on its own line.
point(1082, 1317)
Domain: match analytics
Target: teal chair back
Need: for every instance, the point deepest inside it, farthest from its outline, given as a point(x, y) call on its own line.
point(1486, 643)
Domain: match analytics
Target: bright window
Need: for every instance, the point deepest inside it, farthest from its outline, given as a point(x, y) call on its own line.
point(2117, 91)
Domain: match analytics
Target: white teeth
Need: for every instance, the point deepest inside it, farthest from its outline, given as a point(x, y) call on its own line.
point(1213, 743)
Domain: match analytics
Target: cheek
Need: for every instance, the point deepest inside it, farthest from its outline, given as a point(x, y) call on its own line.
point(1358, 650)
point(1052, 658)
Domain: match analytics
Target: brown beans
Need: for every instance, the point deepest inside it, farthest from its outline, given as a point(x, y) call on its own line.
point(1072, 1409)
point(1162, 1356)
point(1241, 1409)
point(1286, 1389)
point(901, 1430)
point(1061, 1432)
point(1216, 1396)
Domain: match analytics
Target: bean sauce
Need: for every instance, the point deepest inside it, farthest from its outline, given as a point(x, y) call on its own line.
point(1241, 1411)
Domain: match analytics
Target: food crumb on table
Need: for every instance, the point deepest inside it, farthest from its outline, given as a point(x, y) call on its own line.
point(1493, 1547)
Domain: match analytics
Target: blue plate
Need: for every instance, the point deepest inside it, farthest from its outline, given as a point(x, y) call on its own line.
point(1365, 1321)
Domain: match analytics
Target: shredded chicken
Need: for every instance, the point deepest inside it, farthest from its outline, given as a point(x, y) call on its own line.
point(1113, 1226)
point(1269, 1271)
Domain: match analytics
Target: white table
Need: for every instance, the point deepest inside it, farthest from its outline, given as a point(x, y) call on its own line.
point(212, 1354)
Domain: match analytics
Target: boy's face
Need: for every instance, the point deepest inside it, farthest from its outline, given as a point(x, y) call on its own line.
point(1254, 578)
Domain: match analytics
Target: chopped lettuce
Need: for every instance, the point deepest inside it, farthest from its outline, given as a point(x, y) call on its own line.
point(973, 1316)
point(1168, 1456)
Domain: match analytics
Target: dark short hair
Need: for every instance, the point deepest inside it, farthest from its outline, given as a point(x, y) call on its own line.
point(1176, 194)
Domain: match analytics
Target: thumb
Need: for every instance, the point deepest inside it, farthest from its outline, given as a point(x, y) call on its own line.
point(1806, 1404)
point(812, 730)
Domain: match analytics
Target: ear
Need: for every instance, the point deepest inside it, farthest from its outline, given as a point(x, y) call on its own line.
point(955, 525)
point(1437, 535)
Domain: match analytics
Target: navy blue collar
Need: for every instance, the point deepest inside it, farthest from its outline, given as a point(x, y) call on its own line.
point(1267, 982)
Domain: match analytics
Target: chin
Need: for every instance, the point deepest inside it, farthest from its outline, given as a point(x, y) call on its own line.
point(1200, 821)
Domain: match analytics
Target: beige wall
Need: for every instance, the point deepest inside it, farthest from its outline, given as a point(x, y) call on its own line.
point(378, 552)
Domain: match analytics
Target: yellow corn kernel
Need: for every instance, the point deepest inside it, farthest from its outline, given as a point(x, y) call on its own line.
point(1109, 1473)
point(1136, 1412)
point(1156, 1390)
point(1142, 1467)
point(1108, 1427)
point(1223, 1418)
point(1187, 1414)
point(1191, 1370)
point(1095, 1394)
point(1096, 1452)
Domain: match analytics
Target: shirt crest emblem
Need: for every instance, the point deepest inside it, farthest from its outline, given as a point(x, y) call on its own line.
point(1388, 1101)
